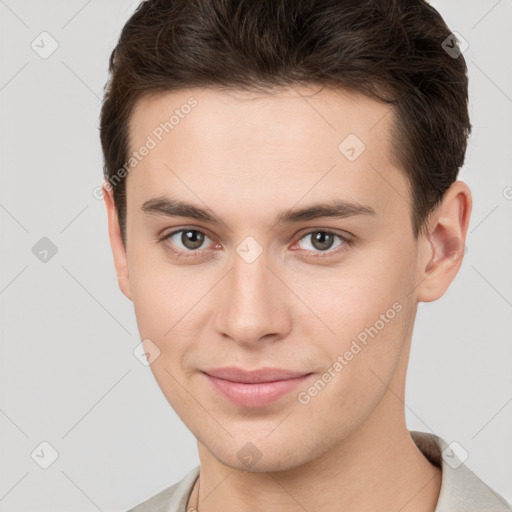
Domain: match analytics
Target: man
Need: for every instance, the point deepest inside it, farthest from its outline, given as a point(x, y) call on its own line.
point(281, 188)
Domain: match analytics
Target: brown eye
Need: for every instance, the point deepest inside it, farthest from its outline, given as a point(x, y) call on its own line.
point(192, 239)
point(186, 240)
point(322, 240)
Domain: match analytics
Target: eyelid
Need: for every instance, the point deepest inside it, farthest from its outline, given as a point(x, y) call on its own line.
point(343, 235)
point(347, 240)
point(181, 252)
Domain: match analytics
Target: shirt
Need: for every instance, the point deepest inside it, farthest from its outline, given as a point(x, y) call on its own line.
point(461, 489)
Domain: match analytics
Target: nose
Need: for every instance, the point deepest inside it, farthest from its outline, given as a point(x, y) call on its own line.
point(254, 303)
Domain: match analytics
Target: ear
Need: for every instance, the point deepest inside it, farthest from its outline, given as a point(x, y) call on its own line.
point(443, 243)
point(116, 242)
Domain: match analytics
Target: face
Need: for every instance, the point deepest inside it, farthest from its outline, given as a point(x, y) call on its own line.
point(295, 251)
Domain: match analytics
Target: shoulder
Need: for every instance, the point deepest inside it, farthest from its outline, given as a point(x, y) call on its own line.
point(461, 489)
point(171, 499)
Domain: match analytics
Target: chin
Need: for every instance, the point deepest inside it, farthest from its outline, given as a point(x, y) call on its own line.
point(265, 455)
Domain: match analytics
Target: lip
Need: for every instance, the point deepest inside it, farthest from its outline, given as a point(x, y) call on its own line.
point(255, 388)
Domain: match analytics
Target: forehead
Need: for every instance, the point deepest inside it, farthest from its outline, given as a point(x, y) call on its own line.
point(253, 145)
point(229, 116)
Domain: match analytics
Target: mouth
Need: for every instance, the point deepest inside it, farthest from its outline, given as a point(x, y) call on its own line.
point(255, 388)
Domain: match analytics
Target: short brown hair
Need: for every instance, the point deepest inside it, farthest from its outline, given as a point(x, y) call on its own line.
point(390, 50)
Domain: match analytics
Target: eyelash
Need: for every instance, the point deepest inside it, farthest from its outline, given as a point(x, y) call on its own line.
point(346, 243)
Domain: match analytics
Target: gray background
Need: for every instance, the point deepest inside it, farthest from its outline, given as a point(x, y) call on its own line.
point(68, 374)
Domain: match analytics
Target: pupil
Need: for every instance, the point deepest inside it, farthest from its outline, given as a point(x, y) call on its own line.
point(322, 240)
point(192, 239)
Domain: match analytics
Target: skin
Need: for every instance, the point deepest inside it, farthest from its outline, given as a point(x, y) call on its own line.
point(247, 157)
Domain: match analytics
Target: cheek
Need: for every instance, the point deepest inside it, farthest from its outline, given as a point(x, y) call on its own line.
point(356, 300)
point(352, 297)
point(167, 300)
point(361, 360)
point(360, 312)
point(157, 293)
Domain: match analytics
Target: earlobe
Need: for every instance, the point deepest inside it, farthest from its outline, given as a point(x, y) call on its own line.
point(116, 242)
point(444, 243)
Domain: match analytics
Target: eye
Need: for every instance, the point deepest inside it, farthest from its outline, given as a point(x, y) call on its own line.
point(322, 240)
point(186, 240)
point(190, 242)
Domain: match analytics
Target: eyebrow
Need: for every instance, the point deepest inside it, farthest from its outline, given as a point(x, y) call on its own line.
point(335, 208)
